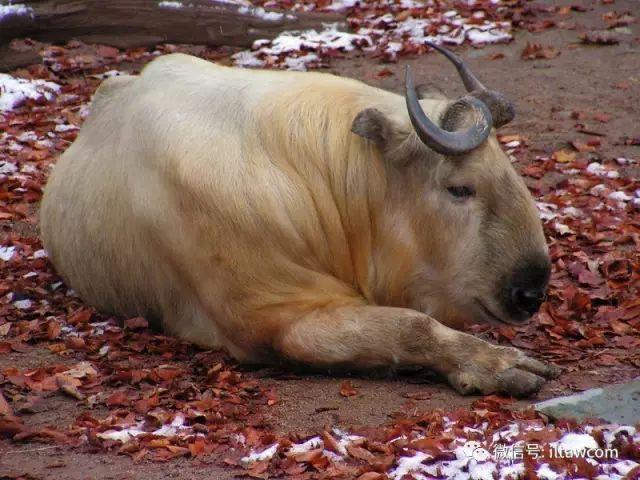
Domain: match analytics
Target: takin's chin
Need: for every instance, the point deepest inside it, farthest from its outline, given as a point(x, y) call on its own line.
point(303, 217)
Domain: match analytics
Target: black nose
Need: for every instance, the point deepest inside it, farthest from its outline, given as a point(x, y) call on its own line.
point(527, 300)
point(524, 291)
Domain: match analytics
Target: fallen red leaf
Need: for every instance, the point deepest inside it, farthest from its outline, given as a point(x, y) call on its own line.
point(347, 389)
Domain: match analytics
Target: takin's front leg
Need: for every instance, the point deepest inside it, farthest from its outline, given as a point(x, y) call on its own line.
point(368, 336)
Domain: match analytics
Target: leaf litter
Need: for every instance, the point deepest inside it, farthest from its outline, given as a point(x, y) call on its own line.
point(145, 395)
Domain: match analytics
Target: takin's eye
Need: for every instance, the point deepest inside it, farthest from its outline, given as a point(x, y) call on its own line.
point(462, 192)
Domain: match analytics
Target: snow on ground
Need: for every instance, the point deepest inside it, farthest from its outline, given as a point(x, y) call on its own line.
point(15, 91)
point(503, 457)
point(404, 27)
point(167, 4)
point(15, 9)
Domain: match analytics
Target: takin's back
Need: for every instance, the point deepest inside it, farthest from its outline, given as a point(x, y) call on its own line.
point(196, 191)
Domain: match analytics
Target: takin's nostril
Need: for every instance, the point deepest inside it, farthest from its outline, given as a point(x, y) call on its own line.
point(528, 300)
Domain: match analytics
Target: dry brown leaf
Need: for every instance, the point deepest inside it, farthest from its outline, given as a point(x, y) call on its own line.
point(347, 389)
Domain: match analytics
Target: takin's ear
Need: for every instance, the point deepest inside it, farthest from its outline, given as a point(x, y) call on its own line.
point(371, 124)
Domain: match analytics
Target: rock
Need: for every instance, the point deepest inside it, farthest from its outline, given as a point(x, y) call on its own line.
point(615, 403)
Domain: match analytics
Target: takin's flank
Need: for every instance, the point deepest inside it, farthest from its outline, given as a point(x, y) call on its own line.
point(305, 218)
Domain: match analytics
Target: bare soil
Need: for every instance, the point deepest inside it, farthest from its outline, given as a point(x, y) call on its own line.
point(546, 92)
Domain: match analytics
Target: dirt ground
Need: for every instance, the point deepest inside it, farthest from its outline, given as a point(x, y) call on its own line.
point(545, 92)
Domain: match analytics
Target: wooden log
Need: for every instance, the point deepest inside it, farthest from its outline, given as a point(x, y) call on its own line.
point(11, 58)
point(134, 23)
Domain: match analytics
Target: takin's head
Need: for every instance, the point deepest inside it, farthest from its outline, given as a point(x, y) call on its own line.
point(461, 238)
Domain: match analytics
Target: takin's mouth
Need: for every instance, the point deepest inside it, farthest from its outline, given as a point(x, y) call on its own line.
point(492, 318)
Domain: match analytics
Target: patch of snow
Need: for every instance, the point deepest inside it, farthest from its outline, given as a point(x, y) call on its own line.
point(247, 59)
point(545, 473)
point(310, 444)
point(15, 91)
point(562, 229)
point(624, 160)
point(610, 436)
point(340, 5)
point(265, 454)
point(65, 128)
point(625, 466)
point(494, 34)
point(620, 196)
point(344, 439)
point(482, 471)
point(330, 38)
point(168, 4)
point(513, 471)
point(26, 137)
point(14, 9)
point(261, 13)
point(597, 169)
point(124, 435)
point(40, 253)
point(176, 427)
point(7, 168)
point(572, 212)
point(6, 253)
point(300, 63)
point(22, 304)
point(407, 465)
point(575, 442)
point(547, 211)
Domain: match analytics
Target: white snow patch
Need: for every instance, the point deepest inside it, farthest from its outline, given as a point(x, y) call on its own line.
point(625, 466)
point(547, 211)
point(14, 91)
point(40, 253)
point(407, 465)
point(261, 13)
point(315, 442)
point(572, 212)
point(124, 435)
point(247, 59)
point(545, 473)
point(7, 168)
point(575, 442)
point(495, 34)
point(26, 137)
point(513, 471)
point(265, 454)
point(22, 304)
point(340, 5)
point(330, 38)
point(620, 196)
point(482, 471)
point(65, 128)
point(6, 253)
point(300, 63)
point(14, 9)
point(562, 229)
point(176, 427)
point(167, 4)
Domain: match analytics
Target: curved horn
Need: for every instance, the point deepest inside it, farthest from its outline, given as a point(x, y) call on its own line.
point(502, 110)
point(443, 141)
